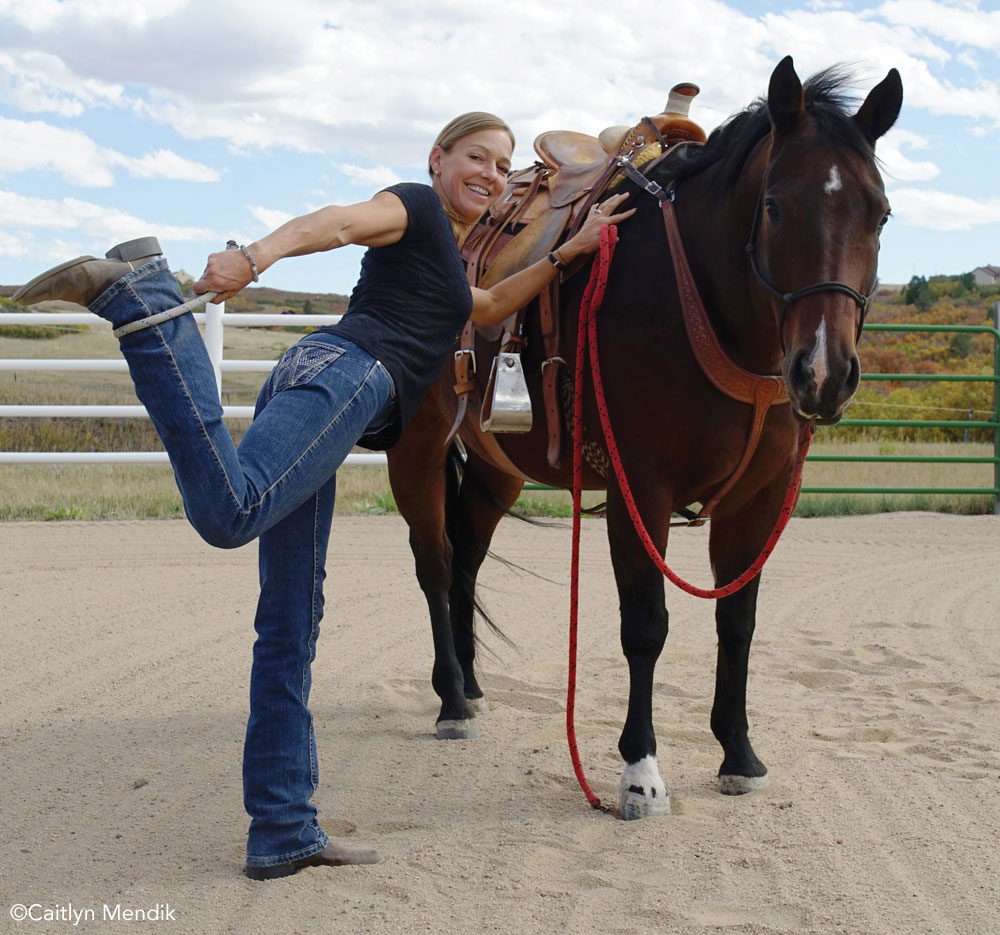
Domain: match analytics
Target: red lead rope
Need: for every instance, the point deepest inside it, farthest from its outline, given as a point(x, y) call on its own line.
point(587, 337)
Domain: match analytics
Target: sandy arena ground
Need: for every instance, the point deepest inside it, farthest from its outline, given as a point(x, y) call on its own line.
point(874, 699)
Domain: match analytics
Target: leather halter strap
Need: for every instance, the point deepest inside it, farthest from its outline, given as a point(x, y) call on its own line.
point(788, 299)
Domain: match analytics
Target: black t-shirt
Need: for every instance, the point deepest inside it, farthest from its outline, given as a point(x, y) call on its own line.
point(411, 301)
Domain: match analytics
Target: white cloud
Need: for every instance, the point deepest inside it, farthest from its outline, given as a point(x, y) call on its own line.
point(39, 146)
point(937, 210)
point(353, 78)
point(164, 164)
point(959, 23)
point(38, 81)
point(38, 15)
point(41, 250)
point(270, 217)
point(364, 87)
point(96, 223)
point(372, 178)
point(901, 168)
point(13, 245)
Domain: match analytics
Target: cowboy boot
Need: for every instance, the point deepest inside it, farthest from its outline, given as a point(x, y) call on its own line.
point(82, 280)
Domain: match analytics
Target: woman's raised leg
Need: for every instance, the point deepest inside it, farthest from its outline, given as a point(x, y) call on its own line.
point(321, 397)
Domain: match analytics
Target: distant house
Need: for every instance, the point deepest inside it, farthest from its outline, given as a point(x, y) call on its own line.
point(986, 275)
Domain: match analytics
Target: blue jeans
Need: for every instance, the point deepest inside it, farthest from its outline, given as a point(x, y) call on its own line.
point(280, 485)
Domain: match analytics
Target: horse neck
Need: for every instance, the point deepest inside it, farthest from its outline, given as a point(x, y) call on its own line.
point(715, 227)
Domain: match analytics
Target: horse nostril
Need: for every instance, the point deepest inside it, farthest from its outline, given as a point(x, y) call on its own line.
point(854, 376)
point(802, 374)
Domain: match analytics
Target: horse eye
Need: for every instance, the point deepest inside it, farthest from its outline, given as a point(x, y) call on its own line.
point(885, 220)
point(771, 207)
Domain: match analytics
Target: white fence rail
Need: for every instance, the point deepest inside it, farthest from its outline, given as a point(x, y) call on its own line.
point(215, 319)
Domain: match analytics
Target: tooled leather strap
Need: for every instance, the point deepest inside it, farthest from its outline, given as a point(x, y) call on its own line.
point(548, 301)
point(465, 370)
point(761, 390)
point(762, 401)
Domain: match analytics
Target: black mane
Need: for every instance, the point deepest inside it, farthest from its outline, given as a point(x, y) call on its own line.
point(828, 99)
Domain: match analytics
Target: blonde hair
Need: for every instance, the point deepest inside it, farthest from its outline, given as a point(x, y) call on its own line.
point(463, 125)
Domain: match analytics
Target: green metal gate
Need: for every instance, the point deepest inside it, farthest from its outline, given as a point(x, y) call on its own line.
point(992, 425)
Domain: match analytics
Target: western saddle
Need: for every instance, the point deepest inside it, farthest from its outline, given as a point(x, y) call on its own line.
point(541, 207)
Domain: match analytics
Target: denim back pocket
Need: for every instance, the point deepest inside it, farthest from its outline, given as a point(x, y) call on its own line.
point(299, 364)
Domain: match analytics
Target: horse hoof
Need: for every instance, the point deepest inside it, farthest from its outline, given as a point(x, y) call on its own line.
point(464, 729)
point(741, 785)
point(642, 793)
point(641, 805)
point(478, 705)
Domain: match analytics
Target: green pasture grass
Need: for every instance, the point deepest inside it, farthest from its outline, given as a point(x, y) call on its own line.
point(115, 491)
point(146, 491)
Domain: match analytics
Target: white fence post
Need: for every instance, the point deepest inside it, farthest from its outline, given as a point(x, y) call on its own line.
point(213, 339)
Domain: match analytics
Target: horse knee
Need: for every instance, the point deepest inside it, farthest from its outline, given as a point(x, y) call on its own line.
point(433, 564)
point(644, 628)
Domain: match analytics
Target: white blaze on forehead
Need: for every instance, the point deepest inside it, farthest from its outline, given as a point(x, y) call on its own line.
point(833, 183)
point(818, 361)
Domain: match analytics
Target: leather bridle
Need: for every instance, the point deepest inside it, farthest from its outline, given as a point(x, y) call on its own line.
point(788, 299)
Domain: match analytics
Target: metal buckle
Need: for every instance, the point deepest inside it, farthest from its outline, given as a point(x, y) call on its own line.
point(470, 352)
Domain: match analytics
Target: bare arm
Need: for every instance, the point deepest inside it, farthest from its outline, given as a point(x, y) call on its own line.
point(493, 305)
point(375, 223)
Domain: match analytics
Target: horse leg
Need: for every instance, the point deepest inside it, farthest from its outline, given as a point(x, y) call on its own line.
point(644, 618)
point(734, 542)
point(486, 495)
point(418, 474)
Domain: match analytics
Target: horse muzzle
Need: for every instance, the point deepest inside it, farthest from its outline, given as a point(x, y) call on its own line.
point(819, 386)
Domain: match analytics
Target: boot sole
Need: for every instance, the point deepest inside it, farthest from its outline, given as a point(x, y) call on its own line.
point(41, 277)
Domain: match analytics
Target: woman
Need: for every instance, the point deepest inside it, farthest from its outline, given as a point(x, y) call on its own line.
point(359, 380)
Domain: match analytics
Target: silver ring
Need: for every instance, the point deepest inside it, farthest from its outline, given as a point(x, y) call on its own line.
point(596, 209)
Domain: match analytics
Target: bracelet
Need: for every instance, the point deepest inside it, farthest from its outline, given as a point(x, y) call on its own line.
point(253, 266)
point(555, 261)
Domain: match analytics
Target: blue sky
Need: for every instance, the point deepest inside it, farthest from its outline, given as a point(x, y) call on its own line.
point(201, 120)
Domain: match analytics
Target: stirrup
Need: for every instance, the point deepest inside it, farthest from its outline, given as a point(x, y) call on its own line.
point(189, 306)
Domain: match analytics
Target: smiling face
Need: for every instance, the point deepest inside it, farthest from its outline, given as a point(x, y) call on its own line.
point(471, 175)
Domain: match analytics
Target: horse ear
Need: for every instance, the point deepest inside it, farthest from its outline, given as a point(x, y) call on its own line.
point(785, 100)
point(881, 107)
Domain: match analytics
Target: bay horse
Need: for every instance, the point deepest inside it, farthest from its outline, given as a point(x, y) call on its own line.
point(780, 213)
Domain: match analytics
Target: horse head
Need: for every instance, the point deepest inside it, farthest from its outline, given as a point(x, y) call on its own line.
point(813, 248)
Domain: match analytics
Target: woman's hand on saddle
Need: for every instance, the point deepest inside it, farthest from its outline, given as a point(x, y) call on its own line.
point(226, 273)
point(588, 238)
